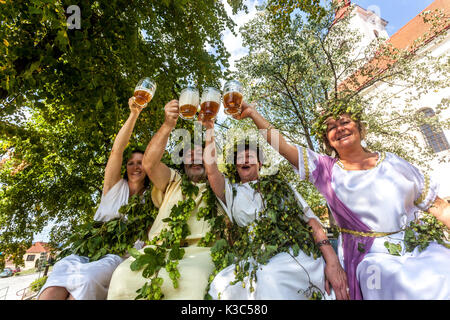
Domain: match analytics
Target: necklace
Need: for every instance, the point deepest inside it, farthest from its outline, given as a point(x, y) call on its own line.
point(380, 158)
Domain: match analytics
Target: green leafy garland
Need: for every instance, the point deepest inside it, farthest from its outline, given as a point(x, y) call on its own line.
point(335, 110)
point(420, 234)
point(167, 247)
point(278, 229)
point(96, 239)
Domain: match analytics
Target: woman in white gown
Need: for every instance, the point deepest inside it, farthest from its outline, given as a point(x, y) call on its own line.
point(372, 196)
point(285, 276)
point(74, 277)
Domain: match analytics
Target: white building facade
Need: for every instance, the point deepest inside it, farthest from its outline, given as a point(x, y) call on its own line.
point(437, 138)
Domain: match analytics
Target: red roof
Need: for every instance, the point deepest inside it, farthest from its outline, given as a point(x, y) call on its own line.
point(402, 39)
point(39, 247)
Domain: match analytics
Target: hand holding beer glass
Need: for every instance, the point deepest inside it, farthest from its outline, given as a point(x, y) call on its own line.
point(210, 104)
point(189, 98)
point(144, 92)
point(232, 97)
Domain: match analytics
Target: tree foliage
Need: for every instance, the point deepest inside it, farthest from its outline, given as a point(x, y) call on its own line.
point(295, 71)
point(283, 9)
point(64, 93)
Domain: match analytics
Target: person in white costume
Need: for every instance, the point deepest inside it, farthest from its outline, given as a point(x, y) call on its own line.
point(372, 196)
point(74, 277)
point(284, 276)
point(196, 264)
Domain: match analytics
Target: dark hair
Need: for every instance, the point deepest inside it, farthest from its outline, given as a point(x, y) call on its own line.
point(248, 146)
point(188, 147)
point(125, 175)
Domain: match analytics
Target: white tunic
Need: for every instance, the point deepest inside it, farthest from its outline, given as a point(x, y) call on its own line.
point(283, 277)
point(90, 280)
point(386, 198)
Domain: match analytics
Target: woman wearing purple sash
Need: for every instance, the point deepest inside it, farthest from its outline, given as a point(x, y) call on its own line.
point(373, 196)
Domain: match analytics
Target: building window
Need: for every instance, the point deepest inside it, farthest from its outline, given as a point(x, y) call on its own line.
point(433, 134)
point(30, 257)
point(375, 32)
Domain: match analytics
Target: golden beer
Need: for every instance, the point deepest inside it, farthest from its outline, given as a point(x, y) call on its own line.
point(188, 103)
point(232, 97)
point(210, 104)
point(144, 91)
point(142, 96)
point(188, 111)
point(208, 110)
point(232, 103)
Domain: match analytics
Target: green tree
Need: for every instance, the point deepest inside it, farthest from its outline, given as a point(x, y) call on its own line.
point(298, 70)
point(64, 93)
point(283, 9)
point(295, 73)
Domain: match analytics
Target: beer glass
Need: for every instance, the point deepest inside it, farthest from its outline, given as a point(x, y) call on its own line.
point(188, 103)
point(144, 91)
point(232, 97)
point(210, 104)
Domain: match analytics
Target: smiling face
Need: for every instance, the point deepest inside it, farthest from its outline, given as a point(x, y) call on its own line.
point(343, 133)
point(193, 164)
point(135, 171)
point(248, 165)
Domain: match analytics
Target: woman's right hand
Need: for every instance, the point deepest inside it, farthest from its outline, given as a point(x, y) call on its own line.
point(247, 111)
point(172, 113)
point(134, 107)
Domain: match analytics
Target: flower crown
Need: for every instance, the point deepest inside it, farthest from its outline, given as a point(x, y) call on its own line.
point(335, 110)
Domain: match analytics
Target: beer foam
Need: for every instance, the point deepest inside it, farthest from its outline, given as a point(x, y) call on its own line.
point(150, 91)
point(232, 86)
point(211, 94)
point(188, 97)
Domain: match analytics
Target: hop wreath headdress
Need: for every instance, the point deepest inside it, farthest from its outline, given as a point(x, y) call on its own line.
point(335, 109)
point(243, 144)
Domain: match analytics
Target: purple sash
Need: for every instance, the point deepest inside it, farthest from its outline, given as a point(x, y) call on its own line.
point(355, 247)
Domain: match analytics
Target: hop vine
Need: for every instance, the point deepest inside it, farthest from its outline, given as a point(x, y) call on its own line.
point(95, 239)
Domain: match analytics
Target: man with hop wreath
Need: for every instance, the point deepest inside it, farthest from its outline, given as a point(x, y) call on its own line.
point(177, 262)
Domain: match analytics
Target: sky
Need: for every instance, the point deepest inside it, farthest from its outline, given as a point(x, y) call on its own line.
point(396, 12)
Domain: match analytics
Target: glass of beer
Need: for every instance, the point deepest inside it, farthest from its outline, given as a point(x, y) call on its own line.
point(210, 104)
point(144, 91)
point(232, 97)
point(188, 103)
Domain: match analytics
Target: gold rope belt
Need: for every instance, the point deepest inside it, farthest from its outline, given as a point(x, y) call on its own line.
point(366, 234)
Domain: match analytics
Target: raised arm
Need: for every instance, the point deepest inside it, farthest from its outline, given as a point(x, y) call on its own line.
point(114, 164)
point(215, 177)
point(157, 171)
point(273, 136)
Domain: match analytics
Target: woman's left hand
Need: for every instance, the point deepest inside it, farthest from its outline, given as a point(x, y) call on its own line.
point(337, 278)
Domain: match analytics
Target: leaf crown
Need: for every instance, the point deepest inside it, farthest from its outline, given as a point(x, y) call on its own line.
point(335, 110)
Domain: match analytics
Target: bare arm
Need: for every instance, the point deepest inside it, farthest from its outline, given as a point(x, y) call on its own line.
point(114, 164)
point(215, 177)
point(157, 171)
point(273, 137)
point(334, 273)
point(441, 210)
